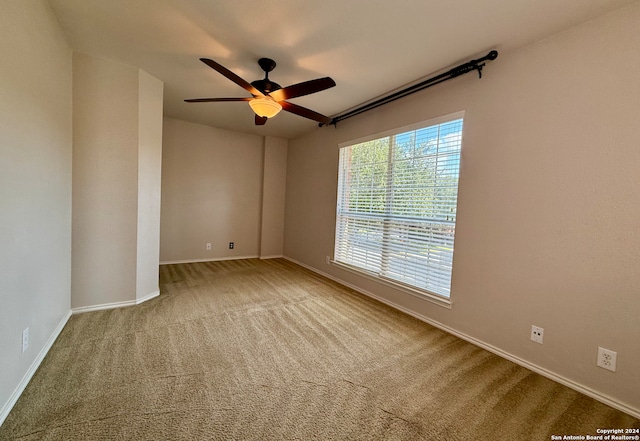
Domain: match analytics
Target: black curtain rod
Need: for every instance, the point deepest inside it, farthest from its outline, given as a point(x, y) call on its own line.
point(452, 73)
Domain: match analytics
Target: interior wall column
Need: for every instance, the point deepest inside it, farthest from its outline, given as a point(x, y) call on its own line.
point(117, 142)
point(273, 197)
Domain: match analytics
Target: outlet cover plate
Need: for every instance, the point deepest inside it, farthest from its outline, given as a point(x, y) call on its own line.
point(25, 339)
point(537, 334)
point(607, 359)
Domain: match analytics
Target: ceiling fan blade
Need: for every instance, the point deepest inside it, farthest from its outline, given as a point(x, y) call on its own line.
point(213, 100)
point(233, 77)
point(261, 120)
point(300, 89)
point(304, 112)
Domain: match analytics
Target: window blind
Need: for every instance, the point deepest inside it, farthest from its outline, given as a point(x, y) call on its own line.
point(396, 209)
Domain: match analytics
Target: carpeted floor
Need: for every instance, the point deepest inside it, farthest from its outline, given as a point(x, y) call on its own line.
point(265, 350)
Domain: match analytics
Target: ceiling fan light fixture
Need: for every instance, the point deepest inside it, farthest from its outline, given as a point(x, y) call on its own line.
point(265, 106)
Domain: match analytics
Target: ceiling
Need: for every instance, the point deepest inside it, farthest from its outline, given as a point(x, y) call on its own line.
point(369, 47)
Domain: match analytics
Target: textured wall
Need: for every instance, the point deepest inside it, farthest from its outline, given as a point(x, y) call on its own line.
point(548, 214)
point(149, 183)
point(35, 184)
point(105, 183)
point(211, 192)
point(117, 156)
point(273, 196)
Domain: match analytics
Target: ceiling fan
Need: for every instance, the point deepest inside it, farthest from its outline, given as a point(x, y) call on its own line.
point(268, 98)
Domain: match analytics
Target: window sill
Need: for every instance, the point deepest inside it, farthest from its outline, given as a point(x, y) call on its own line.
point(423, 295)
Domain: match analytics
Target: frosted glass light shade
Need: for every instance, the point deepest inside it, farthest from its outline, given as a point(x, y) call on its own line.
point(265, 106)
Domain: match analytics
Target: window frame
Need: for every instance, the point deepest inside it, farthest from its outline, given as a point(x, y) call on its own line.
point(419, 292)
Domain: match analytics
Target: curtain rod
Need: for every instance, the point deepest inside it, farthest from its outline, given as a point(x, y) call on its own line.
point(462, 69)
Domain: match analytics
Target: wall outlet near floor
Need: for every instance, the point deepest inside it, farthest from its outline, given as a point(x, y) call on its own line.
point(607, 359)
point(231, 245)
point(25, 339)
point(327, 260)
point(537, 334)
point(208, 246)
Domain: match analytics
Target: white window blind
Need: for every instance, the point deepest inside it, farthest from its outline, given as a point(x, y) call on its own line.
point(396, 210)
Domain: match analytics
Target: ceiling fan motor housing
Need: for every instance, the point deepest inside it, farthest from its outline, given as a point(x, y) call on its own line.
point(266, 86)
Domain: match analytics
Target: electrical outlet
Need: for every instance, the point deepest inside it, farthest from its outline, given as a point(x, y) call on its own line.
point(328, 260)
point(25, 339)
point(537, 334)
point(208, 247)
point(607, 359)
point(231, 245)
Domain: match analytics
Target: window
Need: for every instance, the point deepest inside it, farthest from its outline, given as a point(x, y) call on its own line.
point(396, 210)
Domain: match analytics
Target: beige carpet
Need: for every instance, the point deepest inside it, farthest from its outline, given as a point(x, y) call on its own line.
point(265, 350)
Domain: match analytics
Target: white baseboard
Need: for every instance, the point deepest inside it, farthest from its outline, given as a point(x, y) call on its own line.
point(6, 409)
point(82, 309)
point(36, 363)
point(148, 297)
point(103, 306)
point(275, 256)
point(609, 401)
point(217, 259)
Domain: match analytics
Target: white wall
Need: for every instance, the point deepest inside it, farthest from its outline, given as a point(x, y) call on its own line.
point(105, 185)
point(548, 212)
point(211, 192)
point(35, 187)
point(149, 184)
point(274, 184)
point(221, 186)
point(117, 135)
